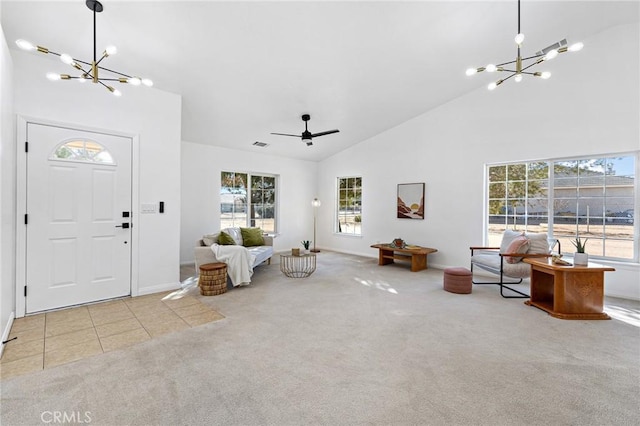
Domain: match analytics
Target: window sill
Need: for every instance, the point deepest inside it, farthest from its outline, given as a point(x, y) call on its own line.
point(618, 264)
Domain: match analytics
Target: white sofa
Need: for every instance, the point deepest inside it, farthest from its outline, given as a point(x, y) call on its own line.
point(207, 246)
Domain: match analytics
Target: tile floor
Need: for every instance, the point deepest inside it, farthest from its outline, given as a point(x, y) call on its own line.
point(58, 337)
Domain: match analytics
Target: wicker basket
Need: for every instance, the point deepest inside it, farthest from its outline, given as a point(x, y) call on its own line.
point(213, 279)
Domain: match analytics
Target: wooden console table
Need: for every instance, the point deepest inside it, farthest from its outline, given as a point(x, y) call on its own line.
point(568, 292)
point(415, 254)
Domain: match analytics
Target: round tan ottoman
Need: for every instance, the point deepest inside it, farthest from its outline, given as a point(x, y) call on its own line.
point(213, 279)
point(457, 280)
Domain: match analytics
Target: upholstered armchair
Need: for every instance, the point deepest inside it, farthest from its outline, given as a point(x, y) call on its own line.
point(506, 261)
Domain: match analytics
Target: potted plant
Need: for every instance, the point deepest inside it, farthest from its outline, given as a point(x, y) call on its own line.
point(580, 257)
point(306, 244)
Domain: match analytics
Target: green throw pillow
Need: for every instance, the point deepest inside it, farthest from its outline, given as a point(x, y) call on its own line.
point(252, 237)
point(225, 239)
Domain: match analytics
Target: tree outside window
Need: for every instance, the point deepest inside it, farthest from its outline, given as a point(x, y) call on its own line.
point(592, 198)
point(349, 206)
point(244, 205)
point(263, 202)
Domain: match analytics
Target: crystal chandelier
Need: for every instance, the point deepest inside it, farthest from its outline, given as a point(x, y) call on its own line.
point(89, 71)
point(521, 64)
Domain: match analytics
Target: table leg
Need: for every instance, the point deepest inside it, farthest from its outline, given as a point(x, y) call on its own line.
point(418, 262)
point(385, 257)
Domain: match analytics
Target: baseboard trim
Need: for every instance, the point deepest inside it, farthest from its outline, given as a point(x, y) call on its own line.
point(7, 331)
point(622, 296)
point(158, 288)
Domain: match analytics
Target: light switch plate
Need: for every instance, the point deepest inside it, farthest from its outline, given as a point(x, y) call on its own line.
point(148, 208)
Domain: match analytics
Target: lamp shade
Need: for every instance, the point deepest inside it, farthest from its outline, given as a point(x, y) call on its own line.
point(67, 59)
point(25, 45)
point(315, 202)
point(576, 47)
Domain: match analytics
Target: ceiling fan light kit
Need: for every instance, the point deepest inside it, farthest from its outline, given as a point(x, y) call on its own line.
point(521, 68)
point(307, 136)
point(89, 71)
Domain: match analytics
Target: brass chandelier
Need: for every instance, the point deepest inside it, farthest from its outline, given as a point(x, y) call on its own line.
point(89, 71)
point(521, 67)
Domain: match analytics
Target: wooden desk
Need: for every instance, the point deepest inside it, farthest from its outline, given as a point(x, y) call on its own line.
point(568, 292)
point(415, 254)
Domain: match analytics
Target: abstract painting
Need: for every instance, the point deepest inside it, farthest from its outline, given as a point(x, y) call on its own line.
point(411, 201)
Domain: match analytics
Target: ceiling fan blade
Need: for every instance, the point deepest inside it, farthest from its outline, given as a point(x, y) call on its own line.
point(286, 134)
point(328, 132)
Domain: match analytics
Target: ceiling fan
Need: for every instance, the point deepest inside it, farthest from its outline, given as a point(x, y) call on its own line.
point(307, 136)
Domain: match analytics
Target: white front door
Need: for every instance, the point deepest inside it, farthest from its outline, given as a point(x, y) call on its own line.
point(78, 198)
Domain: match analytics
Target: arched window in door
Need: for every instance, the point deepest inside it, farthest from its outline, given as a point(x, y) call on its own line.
point(83, 151)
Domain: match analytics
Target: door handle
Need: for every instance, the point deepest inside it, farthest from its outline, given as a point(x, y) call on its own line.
point(124, 226)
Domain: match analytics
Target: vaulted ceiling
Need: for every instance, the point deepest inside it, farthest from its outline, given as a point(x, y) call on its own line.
point(246, 69)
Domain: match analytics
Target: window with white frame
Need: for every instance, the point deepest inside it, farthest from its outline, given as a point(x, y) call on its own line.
point(82, 151)
point(248, 200)
point(349, 206)
point(593, 198)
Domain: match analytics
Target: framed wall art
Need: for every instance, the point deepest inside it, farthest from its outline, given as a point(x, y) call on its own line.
point(410, 201)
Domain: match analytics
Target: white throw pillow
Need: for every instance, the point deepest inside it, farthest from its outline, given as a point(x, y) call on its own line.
point(235, 234)
point(538, 243)
point(507, 239)
point(210, 239)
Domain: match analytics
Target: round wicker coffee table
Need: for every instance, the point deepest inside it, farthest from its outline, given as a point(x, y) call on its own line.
point(297, 266)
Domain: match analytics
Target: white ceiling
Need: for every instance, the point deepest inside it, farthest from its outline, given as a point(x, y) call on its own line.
point(245, 69)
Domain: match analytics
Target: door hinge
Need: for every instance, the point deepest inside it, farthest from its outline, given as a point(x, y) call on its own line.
point(25, 291)
point(26, 219)
point(26, 146)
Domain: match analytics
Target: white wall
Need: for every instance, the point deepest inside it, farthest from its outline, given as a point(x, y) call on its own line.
point(154, 117)
point(7, 192)
point(201, 167)
point(589, 107)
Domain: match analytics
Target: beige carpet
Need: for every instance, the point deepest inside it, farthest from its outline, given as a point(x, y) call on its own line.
point(355, 344)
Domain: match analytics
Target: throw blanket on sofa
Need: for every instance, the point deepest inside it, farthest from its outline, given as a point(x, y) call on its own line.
point(239, 262)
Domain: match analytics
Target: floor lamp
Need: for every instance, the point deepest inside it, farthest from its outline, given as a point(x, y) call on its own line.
point(315, 203)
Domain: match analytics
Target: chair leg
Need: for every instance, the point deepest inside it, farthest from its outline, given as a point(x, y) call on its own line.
point(502, 285)
point(521, 295)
